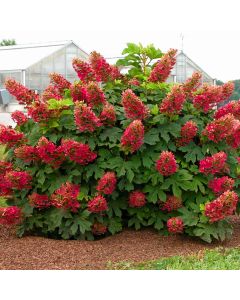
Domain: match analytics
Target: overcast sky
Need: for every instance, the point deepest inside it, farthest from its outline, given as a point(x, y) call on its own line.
point(211, 29)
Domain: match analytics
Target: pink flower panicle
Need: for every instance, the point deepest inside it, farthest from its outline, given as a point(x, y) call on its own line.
point(107, 183)
point(49, 152)
point(5, 187)
point(39, 201)
point(99, 228)
point(97, 204)
point(232, 107)
point(84, 70)
point(95, 96)
point(227, 90)
point(26, 153)
point(18, 180)
point(59, 82)
point(188, 132)
point(103, 70)
point(11, 215)
point(137, 199)
point(133, 106)
point(133, 136)
point(221, 185)
point(51, 92)
point(108, 115)
point(175, 225)
point(66, 197)
point(85, 118)
point(225, 205)
point(78, 92)
point(166, 164)
point(134, 81)
point(172, 104)
point(163, 67)
point(172, 203)
point(78, 152)
point(221, 128)
point(9, 136)
point(213, 164)
point(19, 117)
point(20, 92)
point(192, 84)
point(39, 112)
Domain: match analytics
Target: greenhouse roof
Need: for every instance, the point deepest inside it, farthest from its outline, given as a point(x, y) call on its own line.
point(20, 57)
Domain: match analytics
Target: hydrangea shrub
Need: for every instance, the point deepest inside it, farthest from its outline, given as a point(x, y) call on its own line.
point(111, 151)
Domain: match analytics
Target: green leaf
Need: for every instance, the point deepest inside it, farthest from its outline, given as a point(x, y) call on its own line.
point(152, 136)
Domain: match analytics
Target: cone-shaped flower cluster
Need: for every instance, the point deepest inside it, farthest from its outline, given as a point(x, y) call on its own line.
point(84, 70)
point(39, 201)
point(172, 203)
point(172, 104)
point(59, 82)
point(133, 106)
point(66, 197)
point(26, 153)
point(163, 67)
point(192, 84)
point(19, 117)
point(166, 164)
point(97, 204)
point(175, 225)
point(85, 118)
point(232, 107)
point(5, 167)
point(95, 96)
point(10, 215)
point(107, 183)
point(78, 92)
point(78, 152)
point(214, 164)
point(137, 199)
point(133, 136)
point(9, 136)
point(134, 81)
point(18, 180)
point(223, 206)
point(22, 94)
point(108, 115)
point(221, 184)
point(188, 132)
point(39, 112)
point(51, 92)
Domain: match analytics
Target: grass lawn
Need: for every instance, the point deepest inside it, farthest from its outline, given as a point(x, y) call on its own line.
point(218, 259)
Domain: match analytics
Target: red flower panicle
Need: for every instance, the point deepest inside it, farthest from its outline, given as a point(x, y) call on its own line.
point(103, 70)
point(97, 204)
point(166, 164)
point(39, 201)
point(172, 104)
point(19, 117)
point(5, 188)
point(99, 228)
point(107, 183)
point(78, 152)
point(84, 70)
point(137, 199)
point(221, 128)
point(39, 112)
point(85, 118)
point(213, 164)
point(162, 69)
point(232, 107)
point(78, 92)
point(49, 152)
point(95, 96)
point(221, 185)
point(9, 136)
point(175, 225)
point(172, 203)
point(133, 106)
point(59, 82)
point(18, 180)
point(108, 115)
point(66, 197)
point(192, 84)
point(134, 81)
point(51, 92)
point(225, 205)
point(5, 166)
point(22, 94)
point(133, 136)
point(227, 90)
point(188, 132)
point(10, 215)
point(26, 153)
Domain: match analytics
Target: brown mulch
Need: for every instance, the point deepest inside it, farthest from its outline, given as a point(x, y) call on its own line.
point(37, 253)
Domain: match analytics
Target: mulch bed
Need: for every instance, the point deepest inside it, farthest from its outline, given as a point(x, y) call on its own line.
point(37, 253)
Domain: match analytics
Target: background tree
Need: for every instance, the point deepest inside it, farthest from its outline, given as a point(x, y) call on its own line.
point(8, 42)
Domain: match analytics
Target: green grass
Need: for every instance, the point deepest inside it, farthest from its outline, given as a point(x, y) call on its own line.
point(218, 259)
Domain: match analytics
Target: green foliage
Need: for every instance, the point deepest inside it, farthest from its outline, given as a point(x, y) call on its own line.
point(8, 42)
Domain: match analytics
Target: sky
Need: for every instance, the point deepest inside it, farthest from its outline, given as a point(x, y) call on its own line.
point(211, 29)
